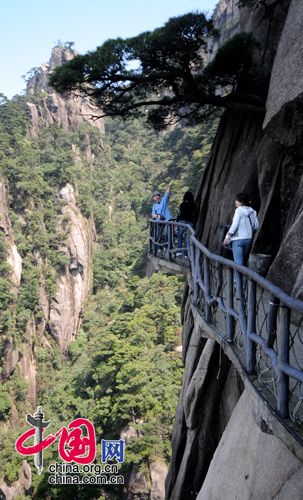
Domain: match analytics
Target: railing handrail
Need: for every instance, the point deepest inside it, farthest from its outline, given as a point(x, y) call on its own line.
point(262, 323)
point(287, 300)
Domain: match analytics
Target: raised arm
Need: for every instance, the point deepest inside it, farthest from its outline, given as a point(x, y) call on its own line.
point(166, 196)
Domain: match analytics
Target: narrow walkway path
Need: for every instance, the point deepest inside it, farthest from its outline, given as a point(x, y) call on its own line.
point(261, 324)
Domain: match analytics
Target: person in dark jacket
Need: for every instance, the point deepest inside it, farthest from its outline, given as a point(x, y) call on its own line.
point(188, 215)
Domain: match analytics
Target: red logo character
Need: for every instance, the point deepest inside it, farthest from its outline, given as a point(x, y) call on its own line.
point(73, 446)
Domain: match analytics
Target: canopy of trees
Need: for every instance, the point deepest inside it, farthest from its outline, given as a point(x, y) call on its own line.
point(162, 73)
point(123, 369)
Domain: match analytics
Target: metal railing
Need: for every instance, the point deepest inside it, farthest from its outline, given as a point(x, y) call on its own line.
point(262, 324)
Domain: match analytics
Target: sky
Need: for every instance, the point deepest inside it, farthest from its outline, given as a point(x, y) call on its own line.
point(30, 28)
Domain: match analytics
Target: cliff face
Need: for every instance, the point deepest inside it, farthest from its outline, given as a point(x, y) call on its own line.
point(283, 125)
point(66, 310)
point(24, 356)
point(57, 316)
point(62, 315)
point(227, 20)
point(13, 257)
point(23, 484)
point(221, 449)
point(51, 108)
point(263, 156)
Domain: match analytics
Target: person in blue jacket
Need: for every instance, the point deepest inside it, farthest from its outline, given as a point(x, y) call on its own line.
point(160, 209)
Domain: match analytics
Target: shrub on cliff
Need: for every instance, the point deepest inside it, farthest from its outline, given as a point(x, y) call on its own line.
point(5, 404)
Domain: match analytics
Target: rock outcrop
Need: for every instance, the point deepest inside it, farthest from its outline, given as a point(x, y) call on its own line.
point(13, 256)
point(158, 472)
point(251, 463)
point(66, 310)
point(148, 484)
point(23, 484)
point(210, 390)
point(286, 82)
point(51, 108)
point(227, 20)
point(283, 125)
point(264, 156)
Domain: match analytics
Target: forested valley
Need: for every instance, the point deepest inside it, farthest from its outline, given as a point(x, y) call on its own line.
point(123, 369)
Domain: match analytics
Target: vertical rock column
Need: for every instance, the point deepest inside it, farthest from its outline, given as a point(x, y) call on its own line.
point(74, 285)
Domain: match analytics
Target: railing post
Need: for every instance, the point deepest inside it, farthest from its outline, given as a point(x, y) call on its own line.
point(230, 326)
point(150, 237)
point(272, 320)
point(207, 288)
point(283, 358)
point(187, 240)
point(194, 264)
point(190, 248)
point(169, 240)
point(155, 235)
point(251, 327)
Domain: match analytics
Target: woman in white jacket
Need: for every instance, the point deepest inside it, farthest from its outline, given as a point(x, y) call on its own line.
point(240, 233)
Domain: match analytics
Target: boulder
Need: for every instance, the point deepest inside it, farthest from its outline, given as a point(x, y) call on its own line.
point(250, 464)
point(158, 472)
point(286, 82)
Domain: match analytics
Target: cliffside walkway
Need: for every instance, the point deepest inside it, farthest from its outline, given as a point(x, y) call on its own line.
point(260, 325)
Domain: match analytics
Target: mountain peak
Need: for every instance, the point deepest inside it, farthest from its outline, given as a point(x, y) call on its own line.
point(38, 77)
point(61, 54)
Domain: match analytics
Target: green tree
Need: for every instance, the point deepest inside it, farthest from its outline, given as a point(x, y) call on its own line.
point(5, 404)
point(162, 71)
point(123, 368)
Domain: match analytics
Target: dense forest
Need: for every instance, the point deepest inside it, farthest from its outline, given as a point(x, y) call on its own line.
point(123, 370)
point(83, 331)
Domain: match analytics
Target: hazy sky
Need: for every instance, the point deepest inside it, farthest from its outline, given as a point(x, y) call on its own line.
point(30, 28)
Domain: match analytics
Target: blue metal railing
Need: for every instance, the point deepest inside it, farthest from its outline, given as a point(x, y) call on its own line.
point(262, 324)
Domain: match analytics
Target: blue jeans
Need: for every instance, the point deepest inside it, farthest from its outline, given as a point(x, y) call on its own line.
point(241, 249)
point(181, 233)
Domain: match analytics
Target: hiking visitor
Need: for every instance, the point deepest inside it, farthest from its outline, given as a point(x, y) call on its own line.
point(188, 215)
point(160, 210)
point(240, 235)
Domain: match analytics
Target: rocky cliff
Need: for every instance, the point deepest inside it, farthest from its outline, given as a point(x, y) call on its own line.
point(227, 20)
point(221, 447)
point(49, 107)
point(66, 310)
point(59, 310)
point(61, 316)
point(262, 155)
